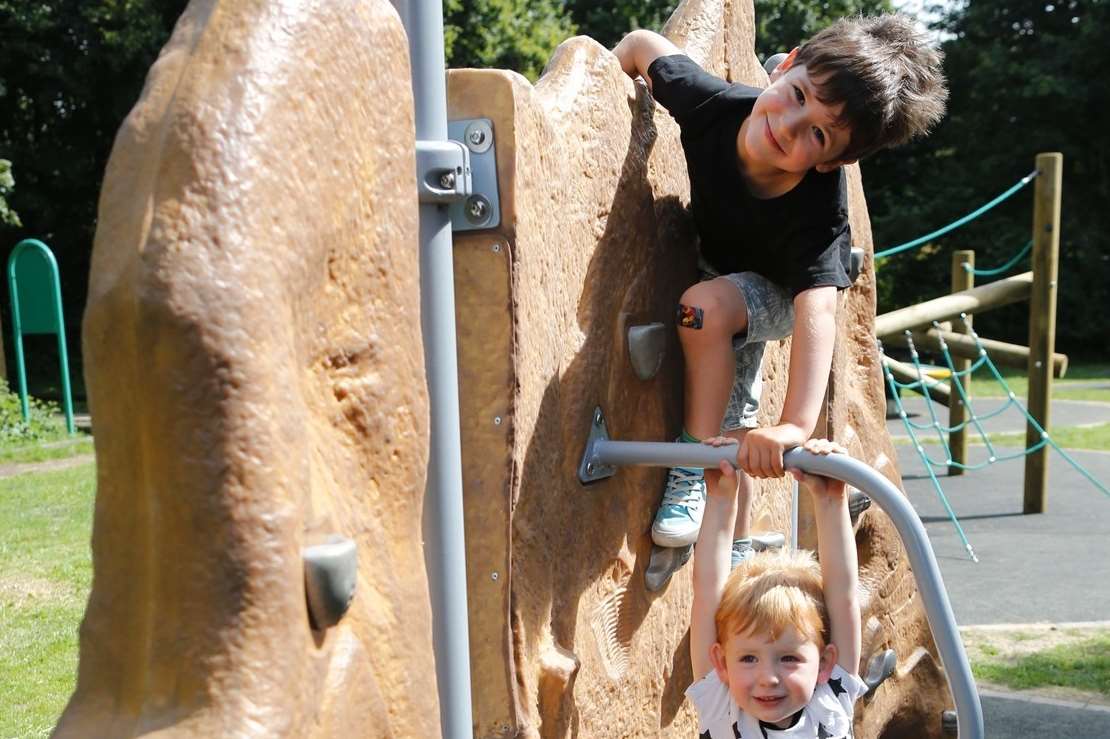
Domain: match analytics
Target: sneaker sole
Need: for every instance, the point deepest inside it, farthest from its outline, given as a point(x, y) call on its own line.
point(672, 541)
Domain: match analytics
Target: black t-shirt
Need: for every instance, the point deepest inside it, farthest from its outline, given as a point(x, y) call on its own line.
point(798, 240)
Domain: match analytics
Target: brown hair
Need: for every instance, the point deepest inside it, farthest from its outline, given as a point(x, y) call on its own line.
point(885, 73)
point(771, 591)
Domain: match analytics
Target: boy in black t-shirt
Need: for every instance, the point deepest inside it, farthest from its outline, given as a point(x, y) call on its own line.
point(768, 196)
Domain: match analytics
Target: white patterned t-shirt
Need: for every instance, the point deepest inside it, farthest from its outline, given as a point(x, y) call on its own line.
point(828, 715)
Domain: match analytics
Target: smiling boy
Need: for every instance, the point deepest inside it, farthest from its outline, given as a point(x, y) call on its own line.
point(769, 199)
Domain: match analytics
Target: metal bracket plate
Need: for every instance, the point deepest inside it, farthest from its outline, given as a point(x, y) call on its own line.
point(481, 208)
point(442, 171)
point(588, 469)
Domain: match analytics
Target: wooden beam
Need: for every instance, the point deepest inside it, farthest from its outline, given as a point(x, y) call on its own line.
point(903, 372)
point(976, 300)
point(1001, 353)
point(1042, 322)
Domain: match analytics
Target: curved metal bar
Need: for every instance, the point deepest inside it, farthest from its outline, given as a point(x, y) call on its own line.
point(604, 452)
point(923, 562)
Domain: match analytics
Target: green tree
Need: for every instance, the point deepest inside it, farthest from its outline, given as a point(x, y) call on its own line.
point(1023, 80)
point(70, 70)
point(8, 217)
point(780, 25)
point(504, 34)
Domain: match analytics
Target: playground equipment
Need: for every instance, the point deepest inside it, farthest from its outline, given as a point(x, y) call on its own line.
point(299, 414)
point(36, 296)
point(1038, 286)
point(602, 455)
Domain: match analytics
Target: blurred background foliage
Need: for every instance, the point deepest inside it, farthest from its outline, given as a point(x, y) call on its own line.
point(1024, 78)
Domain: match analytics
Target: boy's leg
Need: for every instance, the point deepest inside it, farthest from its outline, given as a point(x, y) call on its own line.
point(710, 314)
point(770, 317)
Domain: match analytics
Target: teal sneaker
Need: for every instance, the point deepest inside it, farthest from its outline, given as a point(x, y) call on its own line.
point(679, 517)
point(742, 551)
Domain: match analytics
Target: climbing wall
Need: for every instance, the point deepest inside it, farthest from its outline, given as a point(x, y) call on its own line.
point(594, 238)
point(256, 381)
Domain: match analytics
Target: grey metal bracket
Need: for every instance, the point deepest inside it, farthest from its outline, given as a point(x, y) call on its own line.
point(481, 208)
point(589, 469)
point(442, 172)
point(330, 574)
point(646, 345)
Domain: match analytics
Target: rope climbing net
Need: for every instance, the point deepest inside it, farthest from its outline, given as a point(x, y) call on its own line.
point(922, 240)
point(959, 394)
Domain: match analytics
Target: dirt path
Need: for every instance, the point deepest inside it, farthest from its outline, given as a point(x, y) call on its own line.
point(49, 465)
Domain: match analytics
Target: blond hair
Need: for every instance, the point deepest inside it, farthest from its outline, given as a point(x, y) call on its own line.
point(771, 591)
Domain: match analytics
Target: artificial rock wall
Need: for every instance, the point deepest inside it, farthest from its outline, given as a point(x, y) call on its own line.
point(256, 381)
point(594, 238)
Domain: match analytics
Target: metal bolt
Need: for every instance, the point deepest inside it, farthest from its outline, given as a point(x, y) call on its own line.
point(477, 209)
point(496, 248)
point(589, 468)
point(493, 576)
point(597, 418)
point(497, 420)
point(447, 180)
point(477, 137)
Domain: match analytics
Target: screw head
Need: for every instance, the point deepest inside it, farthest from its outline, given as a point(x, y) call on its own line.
point(589, 468)
point(496, 248)
point(477, 137)
point(477, 209)
point(597, 418)
point(493, 576)
point(497, 420)
point(447, 180)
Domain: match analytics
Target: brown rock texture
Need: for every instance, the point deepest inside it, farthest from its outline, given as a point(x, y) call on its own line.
point(594, 238)
point(256, 381)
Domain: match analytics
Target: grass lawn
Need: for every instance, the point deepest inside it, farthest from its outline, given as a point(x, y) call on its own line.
point(1088, 381)
point(45, 576)
point(1067, 662)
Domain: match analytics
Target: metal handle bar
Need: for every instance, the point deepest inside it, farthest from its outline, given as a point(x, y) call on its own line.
point(602, 453)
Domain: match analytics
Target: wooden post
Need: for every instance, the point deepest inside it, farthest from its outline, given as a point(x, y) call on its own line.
point(1042, 322)
point(962, 279)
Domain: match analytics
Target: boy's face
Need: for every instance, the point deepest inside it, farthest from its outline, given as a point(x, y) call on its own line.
point(790, 129)
point(772, 679)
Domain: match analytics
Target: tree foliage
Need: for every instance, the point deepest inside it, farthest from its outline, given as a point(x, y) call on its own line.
point(504, 34)
point(1023, 79)
point(7, 216)
point(69, 72)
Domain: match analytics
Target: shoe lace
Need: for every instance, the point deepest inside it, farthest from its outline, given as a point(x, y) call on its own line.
point(683, 487)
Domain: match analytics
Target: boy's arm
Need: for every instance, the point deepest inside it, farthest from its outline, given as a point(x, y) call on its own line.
point(836, 550)
point(639, 49)
point(810, 360)
point(712, 563)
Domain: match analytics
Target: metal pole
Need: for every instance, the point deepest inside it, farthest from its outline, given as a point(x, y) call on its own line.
point(923, 563)
point(444, 540)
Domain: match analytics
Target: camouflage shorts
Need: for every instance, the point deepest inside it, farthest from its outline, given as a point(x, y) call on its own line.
point(770, 318)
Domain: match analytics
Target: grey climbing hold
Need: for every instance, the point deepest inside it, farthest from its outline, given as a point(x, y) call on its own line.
point(768, 540)
point(664, 562)
point(855, 264)
point(857, 504)
point(879, 668)
point(773, 61)
point(330, 573)
point(646, 346)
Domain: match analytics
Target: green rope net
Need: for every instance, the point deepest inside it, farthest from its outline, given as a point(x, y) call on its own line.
point(942, 431)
